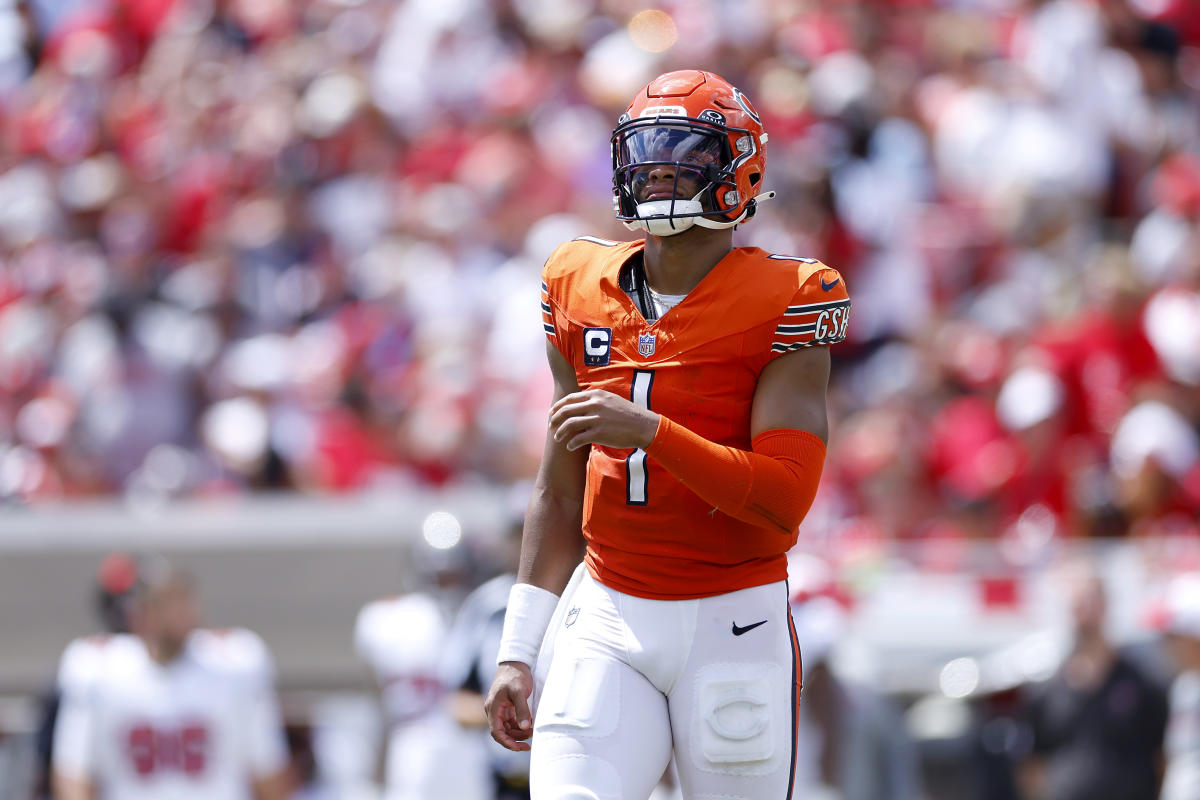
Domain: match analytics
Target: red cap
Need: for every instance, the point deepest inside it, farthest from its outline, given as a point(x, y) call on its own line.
point(117, 573)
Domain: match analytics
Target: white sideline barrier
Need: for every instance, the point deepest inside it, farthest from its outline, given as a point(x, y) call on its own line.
point(272, 520)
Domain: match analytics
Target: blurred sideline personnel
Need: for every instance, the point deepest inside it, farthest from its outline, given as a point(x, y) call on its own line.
point(168, 711)
point(853, 744)
point(687, 438)
point(116, 578)
point(1098, 723)
point(470, 658)
point(1181, 623)
point(428, 755)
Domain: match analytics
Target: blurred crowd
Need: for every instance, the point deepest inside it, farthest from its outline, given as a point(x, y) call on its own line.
point(257, 244)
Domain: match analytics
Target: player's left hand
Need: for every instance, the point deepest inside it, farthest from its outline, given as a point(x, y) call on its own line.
point(599, 417)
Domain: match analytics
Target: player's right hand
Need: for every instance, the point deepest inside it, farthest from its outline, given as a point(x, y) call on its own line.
point(507, 705)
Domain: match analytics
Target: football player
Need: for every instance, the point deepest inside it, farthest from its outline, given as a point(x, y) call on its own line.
point(470, 655)
point(429, 756)
point(169, 710)
point(686, 441)
point(116, 577)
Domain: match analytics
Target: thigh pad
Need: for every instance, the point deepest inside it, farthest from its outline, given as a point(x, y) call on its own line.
point(741, 726)
point(582, 697)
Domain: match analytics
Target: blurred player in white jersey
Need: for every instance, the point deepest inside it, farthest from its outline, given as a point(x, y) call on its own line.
point(1179, 619)
point(470, 661)
point(116, 578)
point(169, 710)
point(429, 755)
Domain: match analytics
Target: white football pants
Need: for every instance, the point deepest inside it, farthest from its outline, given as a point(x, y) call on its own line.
point(630, 679)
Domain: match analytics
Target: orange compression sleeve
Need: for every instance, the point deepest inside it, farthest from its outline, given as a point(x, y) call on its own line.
point(772, 485)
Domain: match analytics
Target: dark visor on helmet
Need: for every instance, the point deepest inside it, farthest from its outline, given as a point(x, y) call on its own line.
point(698, 157)
point(689, 147)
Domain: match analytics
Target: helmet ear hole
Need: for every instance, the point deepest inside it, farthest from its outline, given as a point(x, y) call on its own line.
point(755, 177)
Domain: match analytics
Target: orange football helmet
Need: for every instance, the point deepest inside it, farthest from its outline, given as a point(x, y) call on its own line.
point(689, 150)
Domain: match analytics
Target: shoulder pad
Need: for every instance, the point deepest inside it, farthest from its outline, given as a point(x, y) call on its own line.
point(390, 634)
point(80, 662)
point(596, 240)
point(235, 649)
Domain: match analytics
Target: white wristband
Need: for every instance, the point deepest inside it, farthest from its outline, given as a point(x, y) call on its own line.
point(525, 621)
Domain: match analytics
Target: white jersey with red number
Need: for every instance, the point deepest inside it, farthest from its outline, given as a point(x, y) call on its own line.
point(202, 726)
point(402, 639)
point(429, 756)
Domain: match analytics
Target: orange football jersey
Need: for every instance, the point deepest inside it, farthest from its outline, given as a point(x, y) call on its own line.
point(648, 534)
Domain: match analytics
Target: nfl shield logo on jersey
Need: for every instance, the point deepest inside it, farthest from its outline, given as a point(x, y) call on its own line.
point(646, 344)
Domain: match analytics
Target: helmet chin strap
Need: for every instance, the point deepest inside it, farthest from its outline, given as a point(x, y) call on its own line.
point(656, 218)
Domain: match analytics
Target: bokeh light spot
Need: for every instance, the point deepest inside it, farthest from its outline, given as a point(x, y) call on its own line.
point(959, 678)
point(653, 31)
point(441, 530)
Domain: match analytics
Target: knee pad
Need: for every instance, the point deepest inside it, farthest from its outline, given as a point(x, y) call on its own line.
point(741, 727)
point(575, 777)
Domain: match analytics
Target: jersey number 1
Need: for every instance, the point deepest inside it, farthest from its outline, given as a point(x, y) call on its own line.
point(635, 465)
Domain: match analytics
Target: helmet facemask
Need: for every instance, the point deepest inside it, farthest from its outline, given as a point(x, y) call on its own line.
point(671, 174)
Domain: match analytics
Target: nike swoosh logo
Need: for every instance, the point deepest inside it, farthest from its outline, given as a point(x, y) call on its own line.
point(739, 631)
point(828, 286)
